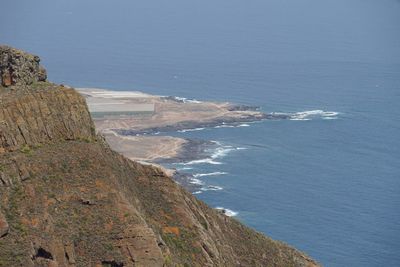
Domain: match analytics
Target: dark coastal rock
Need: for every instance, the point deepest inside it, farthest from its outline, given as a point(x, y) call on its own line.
point(19, 68)
point(205, 124)
point(243, 108)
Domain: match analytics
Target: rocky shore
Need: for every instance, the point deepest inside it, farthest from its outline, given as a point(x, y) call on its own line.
point(138, 125)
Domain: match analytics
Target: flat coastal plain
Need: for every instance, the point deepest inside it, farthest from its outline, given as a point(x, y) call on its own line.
point(136, 124)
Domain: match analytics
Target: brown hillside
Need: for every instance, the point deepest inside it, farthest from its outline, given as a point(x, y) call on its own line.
point(67, 199)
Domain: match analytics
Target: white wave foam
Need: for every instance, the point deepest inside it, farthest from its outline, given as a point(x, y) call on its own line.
point(217, 153)
point(221, 152)
point(186, 100)
point(197, 192)
point(224, 126)
point(211, 188)
point(227, 212)
point(299, 119)
point(191, 130)
point(313, 114)
point(209, 174)
point(196, 181)
point(241, 148)
point(203, 161)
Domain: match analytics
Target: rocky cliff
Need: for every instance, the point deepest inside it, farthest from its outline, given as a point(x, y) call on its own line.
point(19, 67)
point(67, 199)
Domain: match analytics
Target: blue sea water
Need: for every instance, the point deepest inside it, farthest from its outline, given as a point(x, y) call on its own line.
point(330, 187)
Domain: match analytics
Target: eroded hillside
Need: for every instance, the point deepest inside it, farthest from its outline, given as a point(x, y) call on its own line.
point(67, 199)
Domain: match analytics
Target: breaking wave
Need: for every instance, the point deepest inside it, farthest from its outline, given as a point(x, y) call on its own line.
point(191, 130)
point(211, 188)
point(227, 212)
point(209, 174)
point(221, 152)
point(314, 114)
point(196, 181)
point(224, 126)
point(186, 100)
point(203, 161)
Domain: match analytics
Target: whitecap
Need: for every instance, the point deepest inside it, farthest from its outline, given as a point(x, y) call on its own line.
point(196, 181)
point(221, 152)
point(191, 130)
point(212, 188)
point(224, 126)
point(313, 114)
point(203, 161)
point(299, 119)
point(197, 192)
point(185, 100)
point(241, 148)
point(209, 174)
point(243, 125)
point(227, 212)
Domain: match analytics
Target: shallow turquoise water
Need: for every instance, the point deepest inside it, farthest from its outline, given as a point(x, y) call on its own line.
point(328, 187)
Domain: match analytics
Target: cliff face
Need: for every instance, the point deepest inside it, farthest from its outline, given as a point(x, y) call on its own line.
point(40, 114)
point(67, 199)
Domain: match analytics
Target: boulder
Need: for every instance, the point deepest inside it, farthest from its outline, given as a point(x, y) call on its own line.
point(19, 68)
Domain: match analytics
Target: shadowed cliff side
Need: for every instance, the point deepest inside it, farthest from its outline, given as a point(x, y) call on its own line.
point(67, 199)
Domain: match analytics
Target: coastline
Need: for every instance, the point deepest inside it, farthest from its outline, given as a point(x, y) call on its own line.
point(137, 125)
point(137, 113)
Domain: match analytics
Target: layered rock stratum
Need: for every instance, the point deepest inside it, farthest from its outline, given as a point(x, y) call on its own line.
point(67, 199)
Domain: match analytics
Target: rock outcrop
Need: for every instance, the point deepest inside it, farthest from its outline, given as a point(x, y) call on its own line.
point(19, 68)
point(67, 199)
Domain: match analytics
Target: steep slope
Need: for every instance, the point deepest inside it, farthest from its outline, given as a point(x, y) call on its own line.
point(67, 199)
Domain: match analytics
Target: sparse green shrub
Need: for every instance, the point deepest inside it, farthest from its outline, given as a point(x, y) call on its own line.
point(26, 149)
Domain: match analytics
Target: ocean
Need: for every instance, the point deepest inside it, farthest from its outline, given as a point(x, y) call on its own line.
point(327, 182)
